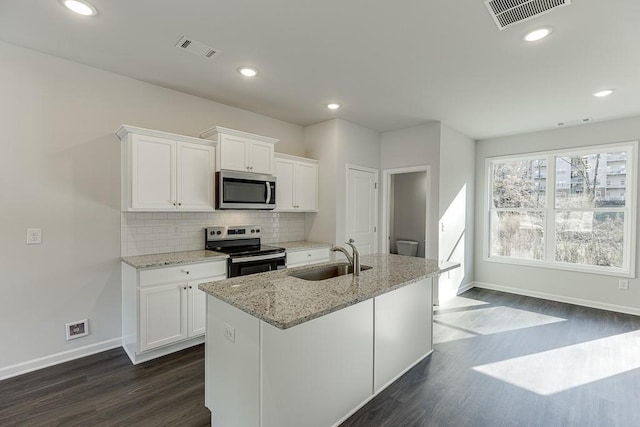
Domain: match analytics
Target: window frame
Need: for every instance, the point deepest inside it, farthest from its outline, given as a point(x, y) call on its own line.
point(549, 232)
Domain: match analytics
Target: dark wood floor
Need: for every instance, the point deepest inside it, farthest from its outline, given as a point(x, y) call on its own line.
point(107, 390)
point(499, 360)
point(552, 350)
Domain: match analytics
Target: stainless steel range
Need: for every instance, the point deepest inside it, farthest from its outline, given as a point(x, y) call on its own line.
point(246, 254)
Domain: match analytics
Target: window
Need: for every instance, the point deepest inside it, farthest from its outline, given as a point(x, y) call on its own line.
point(562, 209)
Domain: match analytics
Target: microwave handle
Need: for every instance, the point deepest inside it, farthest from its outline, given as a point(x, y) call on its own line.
point(268, 191)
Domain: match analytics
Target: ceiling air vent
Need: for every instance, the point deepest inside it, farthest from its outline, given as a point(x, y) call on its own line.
point(197, 48)
point(509, 12)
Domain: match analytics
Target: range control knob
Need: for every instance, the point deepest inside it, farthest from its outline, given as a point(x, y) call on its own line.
point(257, 230)
point(253, 231)
point(218, 232)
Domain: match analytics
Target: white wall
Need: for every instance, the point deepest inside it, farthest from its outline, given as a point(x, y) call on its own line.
point(416, 146)
point(356, 146)
point(321, 143)
point(456, 204)
point(60, 171)
point(336, 143)
point(599, 289)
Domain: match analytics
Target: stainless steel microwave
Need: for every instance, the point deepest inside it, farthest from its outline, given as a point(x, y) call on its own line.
point(245, 190)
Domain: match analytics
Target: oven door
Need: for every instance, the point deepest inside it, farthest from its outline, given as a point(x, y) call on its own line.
point(239, 190)
point(255, 264)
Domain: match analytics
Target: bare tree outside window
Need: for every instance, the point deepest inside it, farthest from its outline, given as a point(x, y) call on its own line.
point(587, 205)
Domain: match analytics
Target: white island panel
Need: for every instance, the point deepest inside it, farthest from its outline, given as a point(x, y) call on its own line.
point(232, 369)
point(403, 336)
point(316, 373)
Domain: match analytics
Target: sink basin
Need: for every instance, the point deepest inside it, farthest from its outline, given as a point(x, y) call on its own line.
point(327, 272)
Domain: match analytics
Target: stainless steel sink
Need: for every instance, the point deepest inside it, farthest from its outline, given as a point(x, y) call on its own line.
point(327, 272)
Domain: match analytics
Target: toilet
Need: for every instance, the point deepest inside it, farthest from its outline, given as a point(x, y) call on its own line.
point(407, 247)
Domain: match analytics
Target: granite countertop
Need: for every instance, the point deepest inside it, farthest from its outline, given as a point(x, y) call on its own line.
point(173, 258)
point(301, 245)
point(285, 301)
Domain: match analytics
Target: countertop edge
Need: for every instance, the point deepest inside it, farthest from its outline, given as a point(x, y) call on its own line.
point(153, 265)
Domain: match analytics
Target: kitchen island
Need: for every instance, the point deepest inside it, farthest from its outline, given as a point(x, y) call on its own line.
point(283, 351)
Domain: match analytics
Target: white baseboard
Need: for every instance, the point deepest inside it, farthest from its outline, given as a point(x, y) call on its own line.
point(558, 298)
point(55, 359)
point(465, 288)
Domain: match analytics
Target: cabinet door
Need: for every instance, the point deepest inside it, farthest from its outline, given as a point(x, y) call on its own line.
point(234, 153)
point(285, 172)
point(198, 306)
point(195, 181)
point(163, 315)
point(306, 187)
point(153, 173)
point(261, 157)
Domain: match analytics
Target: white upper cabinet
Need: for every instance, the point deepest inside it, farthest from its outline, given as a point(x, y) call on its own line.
point(296, 184)
point(166, 172)
point(242, 151)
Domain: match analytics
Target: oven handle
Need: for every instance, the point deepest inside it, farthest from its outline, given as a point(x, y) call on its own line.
point(257, 258)
point(268, 192)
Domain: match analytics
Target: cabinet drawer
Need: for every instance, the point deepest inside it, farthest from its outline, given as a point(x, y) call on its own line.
point(181, 273)
point(307, 256)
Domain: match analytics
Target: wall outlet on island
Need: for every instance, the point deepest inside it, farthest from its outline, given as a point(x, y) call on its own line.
point(623, 284)
point(229, 333)
point(34, 236)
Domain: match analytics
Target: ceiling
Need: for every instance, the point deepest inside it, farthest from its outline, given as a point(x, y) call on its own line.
point(390, 64)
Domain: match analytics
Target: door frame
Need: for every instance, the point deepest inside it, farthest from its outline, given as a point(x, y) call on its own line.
point(386, 204)
point(376, 173)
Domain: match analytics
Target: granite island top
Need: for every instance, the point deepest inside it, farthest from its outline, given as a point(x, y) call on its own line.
point(173, 258)
point(285, 301)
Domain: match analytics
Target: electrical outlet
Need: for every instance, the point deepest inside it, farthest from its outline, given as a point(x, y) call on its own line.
point(623, 284)
point(34, 236)
point(229, 333)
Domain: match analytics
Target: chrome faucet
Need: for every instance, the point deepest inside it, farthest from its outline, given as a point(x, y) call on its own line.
point(353, 260)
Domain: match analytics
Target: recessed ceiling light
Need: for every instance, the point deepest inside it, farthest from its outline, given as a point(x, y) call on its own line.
point(248, 71)
point(333, 106)
point(603, 93)
point(80, 7)
point(537, 34)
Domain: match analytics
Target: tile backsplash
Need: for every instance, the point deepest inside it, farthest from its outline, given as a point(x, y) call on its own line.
point(146, 233)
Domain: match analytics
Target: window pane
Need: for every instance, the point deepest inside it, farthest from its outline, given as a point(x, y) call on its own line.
point(517, 234)
point(592, 238)
point(519, 184)
point(591, 180)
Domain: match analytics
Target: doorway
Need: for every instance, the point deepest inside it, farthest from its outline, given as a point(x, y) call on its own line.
point(406, 208)
point(362, 208)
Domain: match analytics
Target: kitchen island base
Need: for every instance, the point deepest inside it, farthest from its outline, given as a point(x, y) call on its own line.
point(319, 372)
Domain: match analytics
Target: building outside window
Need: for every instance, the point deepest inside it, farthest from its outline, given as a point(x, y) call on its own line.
point(564, 209)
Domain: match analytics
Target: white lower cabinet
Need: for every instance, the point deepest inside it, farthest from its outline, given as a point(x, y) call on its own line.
point(307, 257)
point(163, 315)
point(163, 309)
